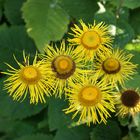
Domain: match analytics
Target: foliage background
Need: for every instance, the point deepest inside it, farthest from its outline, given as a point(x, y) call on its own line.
point(28, 25)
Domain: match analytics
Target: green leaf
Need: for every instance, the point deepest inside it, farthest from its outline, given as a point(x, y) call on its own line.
point(132, 4)
point(2, 3)
point(45, 21)
point(16, 110)
point(134, 134)
point(135, 20)
point(110, 131)
point(133, 46)
point(136, 120)
point(13, 11)
point(14, 40)
point(133, 83)
point(108, 17)
point(124, 33)
point(126, 138)
point(36, 137)
point(124, 121)
point(135, 59)
point(76, 133)
point(15, 128)
point(57, 118)
point(81, 9)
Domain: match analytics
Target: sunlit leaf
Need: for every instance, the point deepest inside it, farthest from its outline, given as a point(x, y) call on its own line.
point(45, 21)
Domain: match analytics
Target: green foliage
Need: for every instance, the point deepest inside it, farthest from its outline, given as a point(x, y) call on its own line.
point(45, 21)
point(36, 137)
point(108, 17)
point(110, 131)
point(15, 110)
point(13, 11)
point(57, 118)
point(78, 9)
point(132, 4)
point(135, 21)
point(124, 33)
point(29, 25)
point(77, 133)
point(15, 128)
point(14, 40)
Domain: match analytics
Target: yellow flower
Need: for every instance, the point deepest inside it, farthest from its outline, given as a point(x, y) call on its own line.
point(91, 99)
point(127, 102)
point(28, 79)
point(91, 38)
point(64, 66)
point(114, 66)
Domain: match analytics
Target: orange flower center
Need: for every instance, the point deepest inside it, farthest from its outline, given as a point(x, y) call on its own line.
point(111, 66)
point(91, 40)
point(63, 66)
point(89, 95)
point(30, 74)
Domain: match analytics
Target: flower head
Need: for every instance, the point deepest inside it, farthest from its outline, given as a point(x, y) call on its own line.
point(91, 99)
point(91, 38)
point(114, 66)
point(28, 79)
point(127, 102)
point(64, 66)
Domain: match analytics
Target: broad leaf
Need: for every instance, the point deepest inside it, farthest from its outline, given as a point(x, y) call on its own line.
point(14, 40)
point(45, 21)
point(13, 11)
point(57, 118)
point(81, 9)
point(110, 131)
point(16, 110)
point(36, 137)
point(76, 133)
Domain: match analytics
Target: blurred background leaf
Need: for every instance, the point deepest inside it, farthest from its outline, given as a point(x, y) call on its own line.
point(110, 131)
point(29, 25)
point(16, 110)
point(14, 40)
point(13, 11)
point(80, 9)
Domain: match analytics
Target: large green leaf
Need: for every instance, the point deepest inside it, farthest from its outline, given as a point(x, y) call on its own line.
point(57, 118)
point(13, 11)
point(81, 9)
point(124, 33)
point(36, 137)
point(131, 3)
point(14, 40)
point(110, 131)
point(77, 133)
point(136, 59)
point(16, 110)
point(15, 128)
point(108, 17)
point(135, 20)
point(45, 21)
point(134, 134)
point(133, 83)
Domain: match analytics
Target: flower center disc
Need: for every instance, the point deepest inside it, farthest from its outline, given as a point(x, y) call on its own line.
point(130, 98)
point(89, 96)
point(30, 75)
point(64, 66)
point(111, 66)
point(91, 40)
